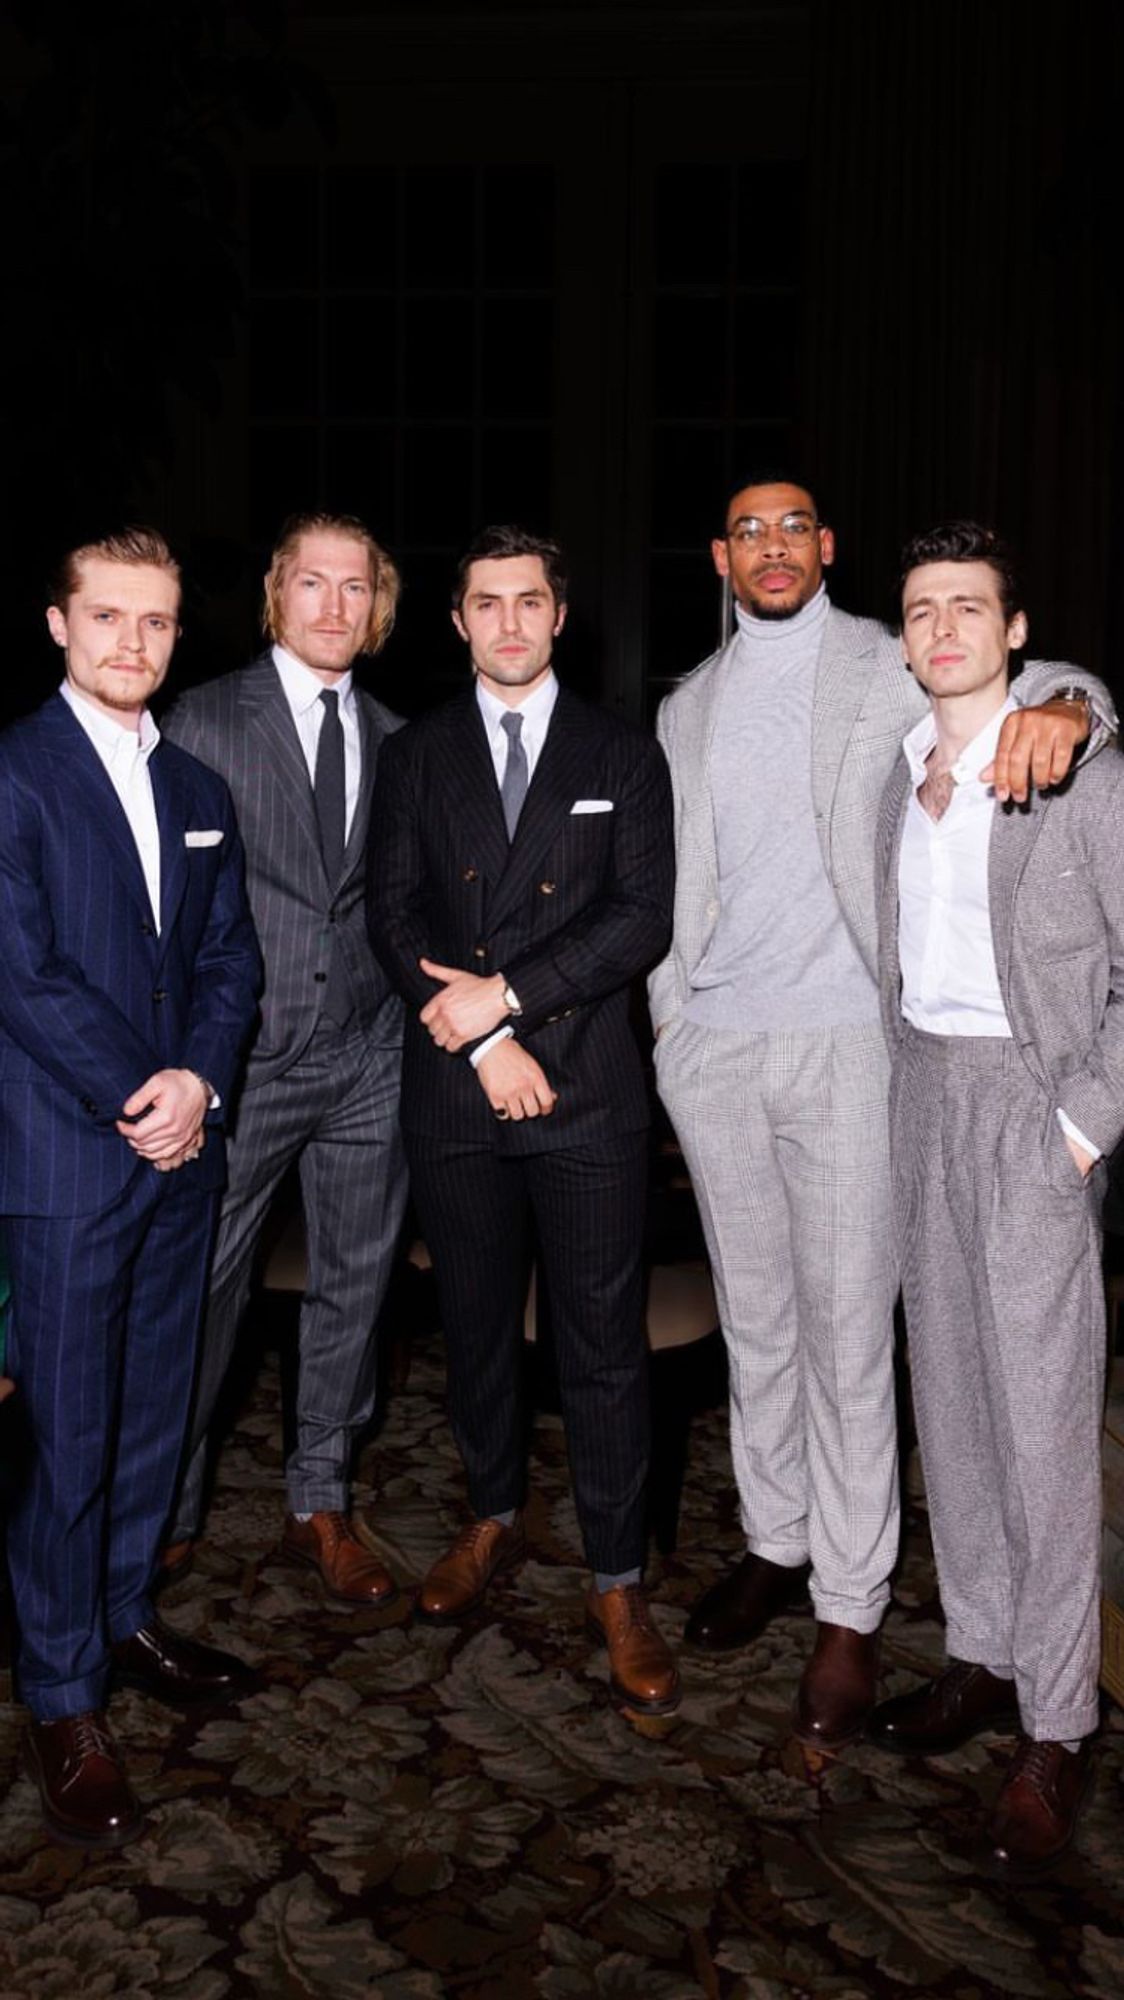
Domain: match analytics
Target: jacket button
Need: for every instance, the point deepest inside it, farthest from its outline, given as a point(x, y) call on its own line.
point(161, 993)
point(546, 888)
point(321, 978)
point(89, 1105)
point(479, 951)
point(148, 930)
point(469, 875)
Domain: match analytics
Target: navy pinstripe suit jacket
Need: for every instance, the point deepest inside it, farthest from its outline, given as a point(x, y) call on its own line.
point(92, 1000)
point(571, 910)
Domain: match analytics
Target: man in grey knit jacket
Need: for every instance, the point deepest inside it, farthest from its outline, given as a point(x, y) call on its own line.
point(771, 1061)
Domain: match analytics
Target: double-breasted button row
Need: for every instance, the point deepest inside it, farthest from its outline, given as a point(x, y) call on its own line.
point(547, 888)
point(470, 875)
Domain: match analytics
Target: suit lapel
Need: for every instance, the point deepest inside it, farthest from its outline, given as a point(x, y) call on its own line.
point(841, 682)
point(272, 727)
point(560, 773)
point(1014, 830)
point(471, 799)
point(897, 805)
point(173, 815)
point(90, 789)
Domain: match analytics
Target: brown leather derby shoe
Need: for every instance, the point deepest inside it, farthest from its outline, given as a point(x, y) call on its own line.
point(459, 1578)
point(1038, 1807)
point(736, 1610)
point(174, 1668)
point(86, 1798)
point(642, 1672)
point(837, 1687)
point(942, 1714)
point(348, 1570)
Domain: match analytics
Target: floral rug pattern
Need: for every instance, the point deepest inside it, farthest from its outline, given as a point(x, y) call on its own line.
point(404, 1813)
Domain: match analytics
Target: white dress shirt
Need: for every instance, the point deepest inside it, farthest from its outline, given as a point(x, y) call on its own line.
point(536, 712)
point(950, 983)
point(302, 692)
point(125, 754)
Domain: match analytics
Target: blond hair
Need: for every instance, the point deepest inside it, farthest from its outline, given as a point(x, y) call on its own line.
point(136, 546)
point(385, 580)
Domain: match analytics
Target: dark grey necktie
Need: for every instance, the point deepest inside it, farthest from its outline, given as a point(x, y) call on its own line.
point(513, 790)
point(329, 786)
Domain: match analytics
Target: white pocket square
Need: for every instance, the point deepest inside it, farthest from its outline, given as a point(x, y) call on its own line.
point(592, 806)
point(209, 837)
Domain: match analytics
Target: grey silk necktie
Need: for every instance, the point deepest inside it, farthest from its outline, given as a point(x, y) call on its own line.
point(513, 790)
point(328, 786)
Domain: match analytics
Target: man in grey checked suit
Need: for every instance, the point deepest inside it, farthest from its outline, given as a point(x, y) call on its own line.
point(298, 744)
point(771, 1062)
point(1001, 967)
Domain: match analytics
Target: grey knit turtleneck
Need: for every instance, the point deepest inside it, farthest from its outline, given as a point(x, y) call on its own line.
point(781, 955)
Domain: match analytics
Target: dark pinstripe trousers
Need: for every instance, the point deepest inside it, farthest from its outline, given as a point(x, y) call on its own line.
point(482, 1214)
point(105, 1312)
point(334, 1112)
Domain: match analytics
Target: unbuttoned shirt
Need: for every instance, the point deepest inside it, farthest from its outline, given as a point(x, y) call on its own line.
point(125, 755)
point(946, 953)
point(302, 690)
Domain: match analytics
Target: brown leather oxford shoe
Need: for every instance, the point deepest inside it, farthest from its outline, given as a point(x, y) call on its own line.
point(174, 1668)
point(86, 1798)
point(642, 1672)
point(837, 1687)
point(736, 1610)
point(1038, 1808)
point(459, 1578)
point(942, 1714)
point(348, 1570)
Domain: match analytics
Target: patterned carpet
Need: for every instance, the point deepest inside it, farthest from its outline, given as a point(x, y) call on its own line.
point(413, 1813)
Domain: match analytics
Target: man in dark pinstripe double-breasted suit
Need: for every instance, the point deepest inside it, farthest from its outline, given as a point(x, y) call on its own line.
point(298, 743)
point(520, 877)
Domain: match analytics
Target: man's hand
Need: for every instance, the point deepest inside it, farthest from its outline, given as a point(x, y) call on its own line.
point(1036, 745)
point(468, 1008)
point(514, 1083)
point(1083, 1161)
point(174, 1103)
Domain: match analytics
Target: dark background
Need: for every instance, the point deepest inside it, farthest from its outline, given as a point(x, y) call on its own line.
point(575, 266)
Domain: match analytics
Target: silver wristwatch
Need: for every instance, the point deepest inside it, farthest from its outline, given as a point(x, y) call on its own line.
point(510, 998)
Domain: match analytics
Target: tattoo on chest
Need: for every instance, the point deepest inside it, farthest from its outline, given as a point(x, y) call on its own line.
point(935, 791)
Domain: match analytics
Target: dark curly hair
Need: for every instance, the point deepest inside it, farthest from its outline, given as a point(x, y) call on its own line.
point(963, 542)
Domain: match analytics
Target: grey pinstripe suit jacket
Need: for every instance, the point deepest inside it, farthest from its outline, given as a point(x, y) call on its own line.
point(242, 727)
point(1056, 894)
point(865, 700)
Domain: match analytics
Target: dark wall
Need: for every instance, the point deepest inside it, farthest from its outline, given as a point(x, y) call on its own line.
point(577, 266)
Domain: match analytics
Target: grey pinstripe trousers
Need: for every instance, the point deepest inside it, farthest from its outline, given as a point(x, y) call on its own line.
point(785, 1137)
point(1001, 1278)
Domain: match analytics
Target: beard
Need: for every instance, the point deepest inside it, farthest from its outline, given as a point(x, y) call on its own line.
point(773, 614)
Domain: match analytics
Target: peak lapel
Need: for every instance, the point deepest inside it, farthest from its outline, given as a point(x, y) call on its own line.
point(558, 779)
point(472, 796)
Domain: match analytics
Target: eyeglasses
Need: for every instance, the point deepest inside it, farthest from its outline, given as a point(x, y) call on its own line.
point(791, 527)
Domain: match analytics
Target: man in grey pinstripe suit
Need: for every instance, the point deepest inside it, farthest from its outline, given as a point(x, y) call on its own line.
point(771, 1062)
point(297, 743)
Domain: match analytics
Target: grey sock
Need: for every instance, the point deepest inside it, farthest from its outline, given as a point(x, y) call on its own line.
point(506, 1520)
point(604, 1582)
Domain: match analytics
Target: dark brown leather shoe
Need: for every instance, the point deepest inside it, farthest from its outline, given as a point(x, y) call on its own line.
point(642, 1672)
point(174, 1668)
point(736, 1611)
point(837, 1687)
point(87, 1800)
point(459, 1578)
point(945, 1712)
point(1038, 1807)
point(348, 1569)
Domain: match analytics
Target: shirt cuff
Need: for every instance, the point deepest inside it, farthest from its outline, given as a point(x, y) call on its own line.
point(503, 1034)
point(1073, 1132)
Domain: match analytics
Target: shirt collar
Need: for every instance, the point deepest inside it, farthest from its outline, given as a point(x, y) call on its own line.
point(974, 758)
point(536, 710)
point(303, 688)
point(112, 739)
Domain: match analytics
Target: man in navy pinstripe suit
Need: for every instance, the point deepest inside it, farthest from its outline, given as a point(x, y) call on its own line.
point(519, 878)
point(128, 984)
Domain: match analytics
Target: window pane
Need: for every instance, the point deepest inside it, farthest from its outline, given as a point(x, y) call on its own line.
point(283, 356)
point(685, 600)
point(438, 357)
point(437, 486)
point(360, 349)
point(770, 222)
point(360, 227)
point(690, 357)
point(283, 229)
point(283, 476)
point(693, 225)
point(515, 476)
point(439, 225)
point(689, 478)
point(518, 226)
point(359, 474)
point(765, 341)
point(517, 357)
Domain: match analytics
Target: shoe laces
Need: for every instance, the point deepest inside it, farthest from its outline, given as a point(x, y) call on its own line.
point(477, 1532)
point(1032, 1761)
point(636, 1607)
point(92, 1737)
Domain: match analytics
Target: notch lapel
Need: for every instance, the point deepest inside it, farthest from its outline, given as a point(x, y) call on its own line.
point(273, 730)
point(172, 817)
point(91, 792)
point(842, 676)
point(1014, 830)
